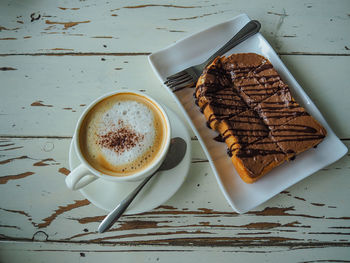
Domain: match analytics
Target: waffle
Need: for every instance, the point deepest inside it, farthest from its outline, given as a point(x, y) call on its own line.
point(244, 98)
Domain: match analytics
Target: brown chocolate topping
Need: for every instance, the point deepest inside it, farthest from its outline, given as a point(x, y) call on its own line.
point(299, 134)
point(246, 127)
point(246, 94)
point(279, 108)
point(259, 155)
point(219, 138)
point(218, 93)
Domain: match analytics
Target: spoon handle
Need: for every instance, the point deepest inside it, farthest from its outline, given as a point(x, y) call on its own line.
point(114, 215)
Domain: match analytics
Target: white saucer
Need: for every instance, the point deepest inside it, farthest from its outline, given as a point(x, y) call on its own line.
point(106, 195)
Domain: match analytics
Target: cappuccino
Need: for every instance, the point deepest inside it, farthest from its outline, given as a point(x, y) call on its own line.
point(122, 134)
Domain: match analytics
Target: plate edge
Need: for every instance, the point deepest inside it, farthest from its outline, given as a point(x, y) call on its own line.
point(300, 89)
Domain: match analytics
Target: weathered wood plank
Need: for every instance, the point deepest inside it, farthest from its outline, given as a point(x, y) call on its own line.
point(33, 105)
point(78, 50)
point(91, 26)
point(315, 212)
point(58, 252)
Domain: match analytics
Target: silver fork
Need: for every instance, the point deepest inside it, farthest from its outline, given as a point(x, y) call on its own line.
point(189, 76)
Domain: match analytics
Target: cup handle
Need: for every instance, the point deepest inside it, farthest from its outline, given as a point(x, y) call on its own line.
point(79, 177)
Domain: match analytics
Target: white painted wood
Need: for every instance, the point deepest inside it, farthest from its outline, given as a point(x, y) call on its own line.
point(64, 85)
point(70, 83)
point(40, 207)
point(102, 46)
point(58, 252)
point(134, 26)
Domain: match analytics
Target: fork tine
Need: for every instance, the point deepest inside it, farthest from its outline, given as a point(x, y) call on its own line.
point(185, 85)
point(176, 75)
point(177, 83)
point(174, 81)
point(181, 85)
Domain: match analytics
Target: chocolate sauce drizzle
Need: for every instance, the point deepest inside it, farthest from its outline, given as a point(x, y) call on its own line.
point(219, 138)
point(256, 106)
point(219, 94)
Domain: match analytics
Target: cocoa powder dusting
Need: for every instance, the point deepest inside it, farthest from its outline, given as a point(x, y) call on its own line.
point(120, 140)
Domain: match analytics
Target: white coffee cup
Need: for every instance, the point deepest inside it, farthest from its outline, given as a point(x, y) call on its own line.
point(92, 168)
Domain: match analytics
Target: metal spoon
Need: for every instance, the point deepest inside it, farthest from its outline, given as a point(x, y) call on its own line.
point(174, 156)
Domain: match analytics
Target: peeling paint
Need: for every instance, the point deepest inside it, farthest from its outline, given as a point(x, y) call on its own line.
point(317, 204)
point(273, 211)
point(13, 148)
point(69, 49)
point(39, 103)
point(169, 207)
point(176, 31)
point(262, 225)
point(5, 179)
point(179, 232)
point(15, 158)
point(64, 171)
point(44, 162)
point(7, 68)
point(8, 29)
point(158, 5)
point(5, 145)
point(61, 210)
point(17, 212)
point(8, 226)
point(102, 37)
point(66, 24)
point(300, 198)
point(278, 14)
point(194, 17)
point(65, 8)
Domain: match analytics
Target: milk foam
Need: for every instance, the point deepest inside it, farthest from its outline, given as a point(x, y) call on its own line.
point(137, 118)
point(122, 134)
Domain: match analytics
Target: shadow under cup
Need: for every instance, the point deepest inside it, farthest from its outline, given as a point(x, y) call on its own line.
point(123, 136)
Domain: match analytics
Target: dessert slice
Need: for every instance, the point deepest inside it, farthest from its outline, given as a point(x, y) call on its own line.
point(298, 134)
point(242, 129)
point(224, 105)
point(253, 76)
point(279, 108)
point(243, 97)
point(216, 96)
point(258, 158)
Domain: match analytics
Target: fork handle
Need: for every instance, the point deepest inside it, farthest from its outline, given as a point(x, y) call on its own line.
point(248, 30)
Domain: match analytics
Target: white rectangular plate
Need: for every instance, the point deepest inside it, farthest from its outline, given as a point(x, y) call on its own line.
point(241, 196)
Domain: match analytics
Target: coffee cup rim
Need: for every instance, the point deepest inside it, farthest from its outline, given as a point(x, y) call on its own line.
point(140, 174)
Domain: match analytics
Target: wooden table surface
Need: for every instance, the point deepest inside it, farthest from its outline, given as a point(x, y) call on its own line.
point(57, 56)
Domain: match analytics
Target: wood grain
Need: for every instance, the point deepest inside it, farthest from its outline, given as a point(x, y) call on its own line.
point(58, 252)
point(56, 57)
point(290, 26)
point(298, 216)
point(71, 83)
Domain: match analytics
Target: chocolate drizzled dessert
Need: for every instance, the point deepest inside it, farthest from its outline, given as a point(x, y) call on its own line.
point(244, 98)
